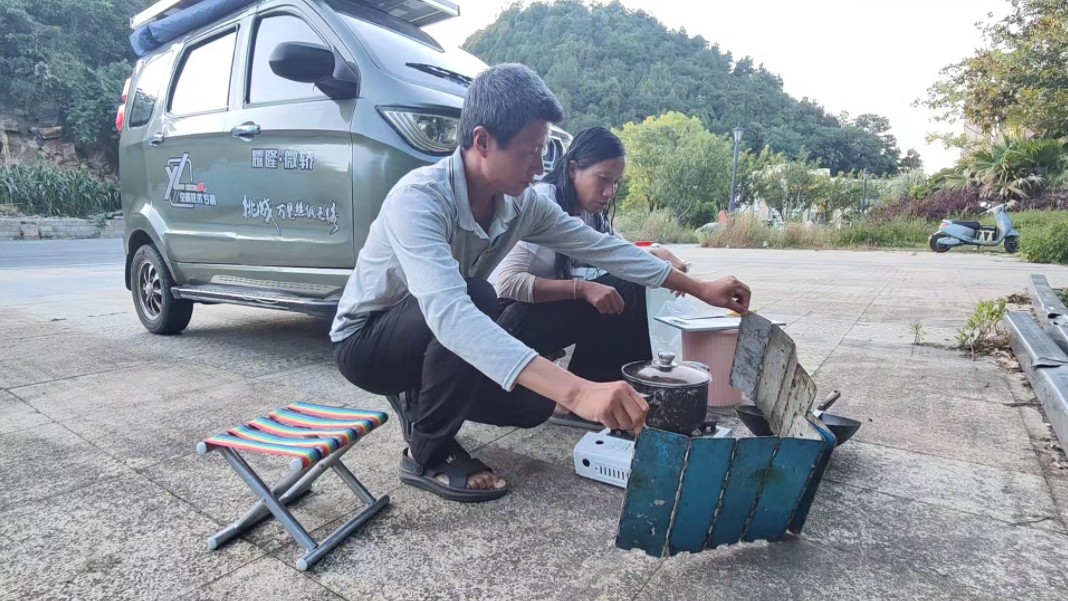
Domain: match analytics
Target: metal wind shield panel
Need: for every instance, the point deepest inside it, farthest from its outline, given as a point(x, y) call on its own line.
point(690, 493)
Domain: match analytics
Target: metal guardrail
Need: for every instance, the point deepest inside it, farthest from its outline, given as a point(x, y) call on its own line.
point(1030, 342)
point(1046, 367)
point(1050, 310)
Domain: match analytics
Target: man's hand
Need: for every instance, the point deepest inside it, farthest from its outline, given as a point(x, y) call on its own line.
point(727, 292)
point(615, 404)
point(605, 299)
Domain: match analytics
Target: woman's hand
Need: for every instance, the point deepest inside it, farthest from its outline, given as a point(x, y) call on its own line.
point(605, 299)
point(666, 255)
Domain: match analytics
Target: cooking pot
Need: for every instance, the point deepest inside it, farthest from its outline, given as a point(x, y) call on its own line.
point(677, 394)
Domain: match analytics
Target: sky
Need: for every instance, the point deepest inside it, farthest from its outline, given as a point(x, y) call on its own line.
point(857, 56)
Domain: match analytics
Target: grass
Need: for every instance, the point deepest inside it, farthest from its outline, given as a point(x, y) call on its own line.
point(658, 226)
point(749, 233)
point(902, 233)
point(45, 190)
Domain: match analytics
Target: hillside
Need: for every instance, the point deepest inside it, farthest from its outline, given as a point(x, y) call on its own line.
point(610, 65)
point(62, 68)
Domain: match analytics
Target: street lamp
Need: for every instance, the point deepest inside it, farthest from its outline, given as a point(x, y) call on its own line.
point(733, 205)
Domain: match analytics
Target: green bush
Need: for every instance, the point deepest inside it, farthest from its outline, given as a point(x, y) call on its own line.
point(983, 332)
point(750, 233)
point(657, 226)
point(1025, 221)
point(46, 190)
point(895, 233)
point(1046, 245)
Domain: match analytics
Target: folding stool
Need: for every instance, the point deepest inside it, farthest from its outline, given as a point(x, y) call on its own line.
point(315, 437)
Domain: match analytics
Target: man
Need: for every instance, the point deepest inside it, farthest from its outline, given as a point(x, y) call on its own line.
point(417, 319)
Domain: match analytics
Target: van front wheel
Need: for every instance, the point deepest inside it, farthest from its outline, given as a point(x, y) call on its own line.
point(151, 282)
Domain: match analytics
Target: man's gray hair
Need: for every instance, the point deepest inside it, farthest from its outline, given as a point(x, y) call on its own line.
point(504, 99)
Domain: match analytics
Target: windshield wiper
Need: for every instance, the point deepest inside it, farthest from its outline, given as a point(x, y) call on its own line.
point(442, 73)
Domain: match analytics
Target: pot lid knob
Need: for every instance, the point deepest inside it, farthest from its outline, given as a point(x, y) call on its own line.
point(665, 360)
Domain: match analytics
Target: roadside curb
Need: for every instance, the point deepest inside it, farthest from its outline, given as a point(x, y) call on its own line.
point(59, 228)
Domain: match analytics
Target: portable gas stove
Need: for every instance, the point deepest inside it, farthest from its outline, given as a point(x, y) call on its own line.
point(605, 456)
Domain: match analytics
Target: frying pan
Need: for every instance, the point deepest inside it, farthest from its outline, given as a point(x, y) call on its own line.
point(843, 428)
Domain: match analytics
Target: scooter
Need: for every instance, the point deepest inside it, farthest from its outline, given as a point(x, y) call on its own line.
point(955, 233)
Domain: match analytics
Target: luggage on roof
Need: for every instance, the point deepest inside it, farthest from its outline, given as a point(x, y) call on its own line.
point(417, 12)
point(170, 19)
point(167, 20)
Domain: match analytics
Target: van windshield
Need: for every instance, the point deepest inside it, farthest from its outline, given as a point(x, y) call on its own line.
point(405, 50)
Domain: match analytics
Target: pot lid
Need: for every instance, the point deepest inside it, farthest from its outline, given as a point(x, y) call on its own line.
point(663, 372)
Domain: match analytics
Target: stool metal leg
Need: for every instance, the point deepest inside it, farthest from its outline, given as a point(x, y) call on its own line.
point(354, 483)
point(304, 484)
point(278, 509)
point(314, 555)
point(293, 486)
point(258, 512)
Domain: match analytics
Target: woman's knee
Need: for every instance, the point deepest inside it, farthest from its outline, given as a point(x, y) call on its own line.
point(633, 295)
point(484, 296)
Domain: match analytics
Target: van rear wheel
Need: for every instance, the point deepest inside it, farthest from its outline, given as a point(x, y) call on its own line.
point(151, 283)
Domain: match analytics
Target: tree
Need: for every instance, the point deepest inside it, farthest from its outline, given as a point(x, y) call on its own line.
point(675, 164)
point(67, 59)
point(1018, 81)
point(911, 161)
point(1012, 166)
point(788, 187)
point(842, 193)
point(610, 66)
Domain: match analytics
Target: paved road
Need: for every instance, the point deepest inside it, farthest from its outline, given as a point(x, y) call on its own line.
point(38, 254)
point(948, 491)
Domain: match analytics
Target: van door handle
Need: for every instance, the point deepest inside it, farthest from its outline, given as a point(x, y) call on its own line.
point(156, 139)
point(245, 131)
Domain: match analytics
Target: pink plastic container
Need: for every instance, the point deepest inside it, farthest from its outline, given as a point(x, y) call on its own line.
point(716, 350)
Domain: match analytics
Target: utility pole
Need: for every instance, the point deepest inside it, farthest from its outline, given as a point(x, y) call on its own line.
point(733, 204)
point(864, 201)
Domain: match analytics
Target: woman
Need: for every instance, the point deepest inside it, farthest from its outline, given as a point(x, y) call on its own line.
point(551, 302)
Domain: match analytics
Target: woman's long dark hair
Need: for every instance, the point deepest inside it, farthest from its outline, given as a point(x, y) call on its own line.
point(591, 146)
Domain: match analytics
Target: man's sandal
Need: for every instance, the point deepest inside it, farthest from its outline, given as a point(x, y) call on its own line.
point(459, 465)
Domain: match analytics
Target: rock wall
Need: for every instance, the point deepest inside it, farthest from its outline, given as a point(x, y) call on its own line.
point(58, 228)
point(22, 141)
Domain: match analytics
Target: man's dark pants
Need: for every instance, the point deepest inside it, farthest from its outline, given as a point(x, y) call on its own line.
point(396, 352)
point(603, 343)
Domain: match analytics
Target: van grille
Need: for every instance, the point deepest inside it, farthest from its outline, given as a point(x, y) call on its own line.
point(553, 151)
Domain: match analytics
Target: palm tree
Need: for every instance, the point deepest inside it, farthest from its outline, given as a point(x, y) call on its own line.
point(1012, 167)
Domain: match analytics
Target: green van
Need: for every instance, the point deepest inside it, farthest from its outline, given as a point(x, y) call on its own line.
point(257, 147)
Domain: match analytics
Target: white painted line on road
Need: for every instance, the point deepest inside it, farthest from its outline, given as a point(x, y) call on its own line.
point(61, 266)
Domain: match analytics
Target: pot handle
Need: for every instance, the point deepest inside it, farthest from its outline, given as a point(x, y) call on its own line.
point(698, 365)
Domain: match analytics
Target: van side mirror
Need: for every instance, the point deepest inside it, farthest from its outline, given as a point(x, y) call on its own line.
point(312, 63)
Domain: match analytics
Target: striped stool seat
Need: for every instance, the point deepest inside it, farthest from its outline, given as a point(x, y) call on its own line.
point(314, 438)
point(303, 431)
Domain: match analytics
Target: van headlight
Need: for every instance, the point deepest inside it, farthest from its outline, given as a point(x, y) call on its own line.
point(426, 132)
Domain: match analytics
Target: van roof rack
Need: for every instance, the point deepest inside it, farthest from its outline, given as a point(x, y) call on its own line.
point(159, 10)
point(417, 12)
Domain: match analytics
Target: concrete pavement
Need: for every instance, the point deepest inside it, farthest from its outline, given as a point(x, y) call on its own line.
point(949, 491)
